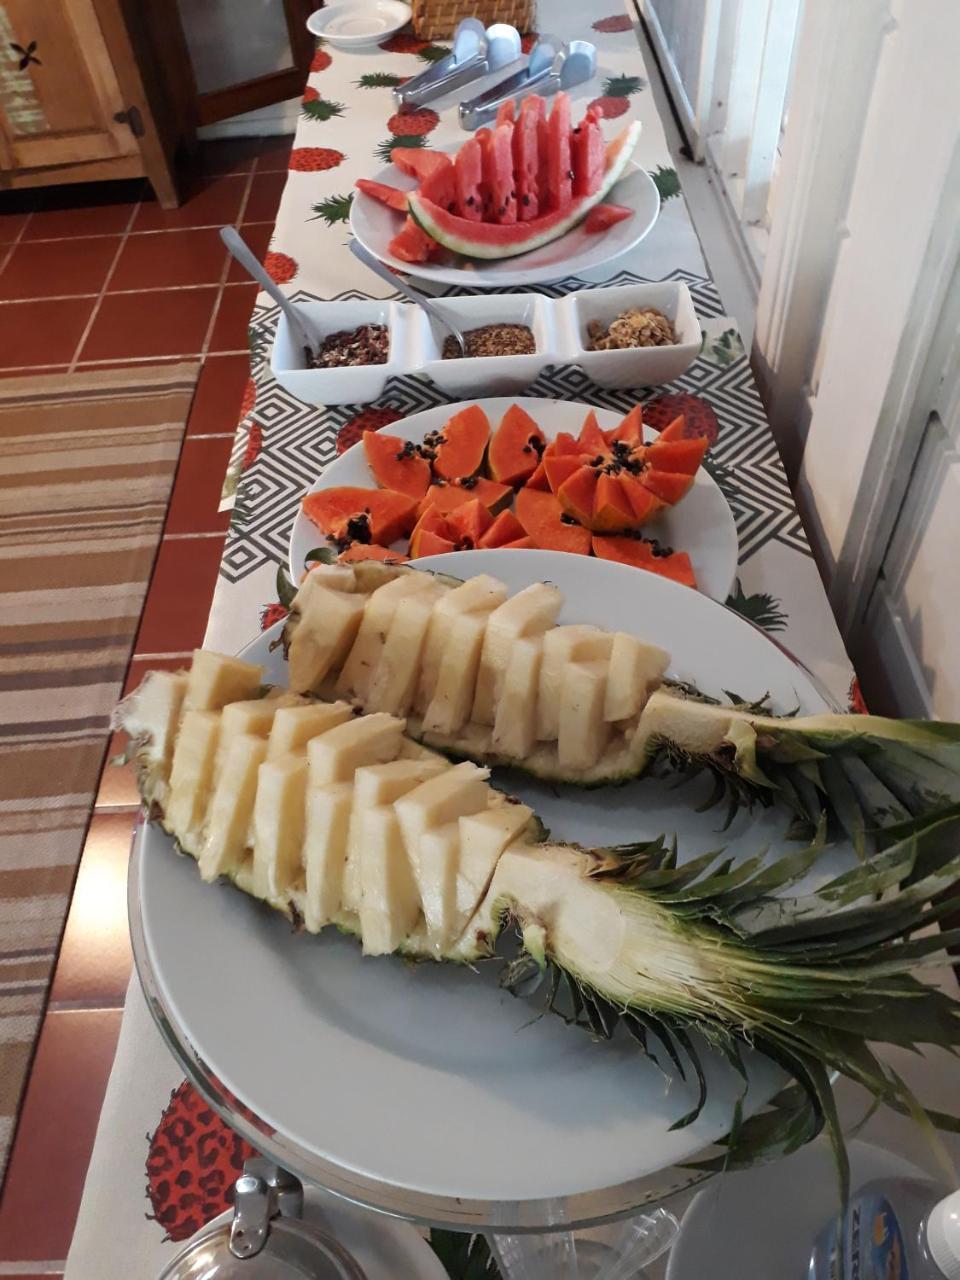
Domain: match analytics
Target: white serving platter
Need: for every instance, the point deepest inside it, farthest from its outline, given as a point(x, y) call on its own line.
point(426, 1090)
point(701, 523)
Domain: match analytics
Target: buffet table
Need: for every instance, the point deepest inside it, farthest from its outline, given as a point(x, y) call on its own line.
point(281, 446)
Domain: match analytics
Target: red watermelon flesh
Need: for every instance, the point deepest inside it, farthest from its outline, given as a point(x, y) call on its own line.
point(526, 157)
point(468, 180)
point(604, 216)
point(484, 138)
point(412, 244)
point(559, 171)
point(506, 113)
point(419, 162)
point(588, 160)
point(392, 197)
point(502, 191)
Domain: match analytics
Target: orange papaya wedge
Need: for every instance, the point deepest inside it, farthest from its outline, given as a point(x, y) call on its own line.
point(549, 527)
point(459, 446)
point(506, 528)
point(515, 448)
point(396, 464)
point(646, 555)
point(362, 515)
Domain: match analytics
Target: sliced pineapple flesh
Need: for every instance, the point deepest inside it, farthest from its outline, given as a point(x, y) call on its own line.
point(227, 835)
point(278, 825)
point(483, 838)
point(337, 754)
point(477, 598)
point(294, 726)
point(438, 857)
point(151, 716)
point(327, 830)
point(530, 612)
point(456, 675)
point(216, 680)
point(635, 671)
point(583, 732)
point(328, 626)
point(191, 777)
point(361, 663)
point(562, 645)
point(394, 682)
point(515, 724)
point(453, 794)
point(390, 902)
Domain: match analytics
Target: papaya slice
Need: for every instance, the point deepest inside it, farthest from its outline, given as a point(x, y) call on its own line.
point(559, 469)
point(565, 444)
point(505, 529)
point(447, 497)
point(547, 524)
point(370, 551)
point(396, 464)
point(459, 447)
point(630, 430)
point(591, 439)
point(578, 495)
point(524, 544)
point(683, 456)
point(361, 515)
point(431, 522)
point(431, 544)
point(646, 555)
point(643, 503)
point(668, 486)
point(674, 430)
point(515, 447)
point(612, 512)
point(471, 521)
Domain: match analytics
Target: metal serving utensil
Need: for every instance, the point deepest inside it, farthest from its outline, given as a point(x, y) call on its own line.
point(436, 313)
point(476, 52)
point(551, 66)
point(300, 326)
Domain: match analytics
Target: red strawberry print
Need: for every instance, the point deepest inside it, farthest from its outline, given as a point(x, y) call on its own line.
point(369, 420)
point(280, 266)
point(270, 614)
point(404, 42)
point(314, 159)
point(249, 399)
point(192, 1163)
point(616, 95)
point(413, 123)
point(699, 417)
point(617, 22)
point(321, 60)
point(254, 445)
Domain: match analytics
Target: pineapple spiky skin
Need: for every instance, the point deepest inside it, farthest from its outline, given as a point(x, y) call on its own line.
point(316, 108)
point(334, 209)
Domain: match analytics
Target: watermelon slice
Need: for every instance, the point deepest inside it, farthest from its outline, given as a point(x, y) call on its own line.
point(588, 158)
point(392, 197)
point(412, 243)
point(500, 202)
point(604, 216)
point(506, 240)
point(468, 180)
point(526, 157)
point(559, 161)
point(419, 162)
point(506, 113)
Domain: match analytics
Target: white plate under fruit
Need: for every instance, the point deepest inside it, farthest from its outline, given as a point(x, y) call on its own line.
point(424, 1089)
point(700, 524)
point(375, 225)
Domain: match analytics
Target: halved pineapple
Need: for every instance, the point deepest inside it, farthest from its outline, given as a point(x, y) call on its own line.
point(215, 680)
point(327, 627)
point(278, 825)
point(456, 675)
point(293, 727)
point(226, 838)
point(562, 645)
point(515, 726)
point(191, 777)
point(583, 732)
point(635, 671)
point(337, 754)
point(390, 901)
point(373, 786)
point(483, 838)
point(453, 794)
point(150, 716)
point(477, 596)
point(327, 830)
point(438, 857)
point(395, 679)
point(364, 657)
point(528, 613)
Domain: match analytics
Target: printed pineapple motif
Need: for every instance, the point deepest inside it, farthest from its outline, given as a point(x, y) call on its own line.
point(249, 399)
point(698, 414)
point(271, 614)
point(321, 60)
point(380, 80)
point(333, 209)
point(528, 41)
point(316, 108)
point(616, 95)
point(725, 349)
point(315, 159)
point(400, 140)
point(666, 182)
point(406, 42)
point(762, 609)
point(617, 22)
point(280, 267)
point(368, 420)
point(254, 445)
point(412, 123)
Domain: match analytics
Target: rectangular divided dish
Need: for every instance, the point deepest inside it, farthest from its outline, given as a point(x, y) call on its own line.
point(560, 331)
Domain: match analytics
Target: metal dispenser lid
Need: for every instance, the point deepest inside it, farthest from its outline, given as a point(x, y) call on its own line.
point(266, 1239)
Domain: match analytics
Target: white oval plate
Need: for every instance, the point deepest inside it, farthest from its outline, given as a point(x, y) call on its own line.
point(375, 225)
point(701, 524)
point(429, 1078)
point(359, 23)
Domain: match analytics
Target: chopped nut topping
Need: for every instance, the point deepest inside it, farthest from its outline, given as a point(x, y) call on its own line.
point(493, 340)
point(367, 345)
point(632, 328)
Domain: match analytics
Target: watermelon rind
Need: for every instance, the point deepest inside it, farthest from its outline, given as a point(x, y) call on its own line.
point(498, 240)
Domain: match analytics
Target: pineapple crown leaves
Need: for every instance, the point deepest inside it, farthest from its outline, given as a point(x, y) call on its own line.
point(761, 608)
point(334, 209)
point(623, 86)
point(320, 109)
point(666, 181)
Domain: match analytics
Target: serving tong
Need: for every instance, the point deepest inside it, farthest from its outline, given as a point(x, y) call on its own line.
point(550, 67)
point(476, 52)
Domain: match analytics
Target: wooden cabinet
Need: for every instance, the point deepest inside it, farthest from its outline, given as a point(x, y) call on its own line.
point(84, 95)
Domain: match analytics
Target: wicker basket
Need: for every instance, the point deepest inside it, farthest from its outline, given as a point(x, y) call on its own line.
point(437, 19)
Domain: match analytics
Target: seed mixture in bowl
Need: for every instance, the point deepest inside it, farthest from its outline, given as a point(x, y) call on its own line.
point(634, 327)
point(493, 340)
point(369, 344)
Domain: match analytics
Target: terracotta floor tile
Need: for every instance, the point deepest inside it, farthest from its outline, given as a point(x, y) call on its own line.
point(208, 201)
point(219, 395)
point(90, 209)
point(257, 236)
point(58, 1122)
point(226, 155)
point(264, 198)
point(118, 786)
point(45, 270)
point(196, 490)
point(42, 332)
point(231, 327)
point(178, 601)
point(162, 323)
point(94, 964)
point(161, 260)
point(12, 224)
point(274, 153)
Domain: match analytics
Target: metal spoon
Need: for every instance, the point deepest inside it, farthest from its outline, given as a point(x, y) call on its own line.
point(299, 324)
point(376, 266)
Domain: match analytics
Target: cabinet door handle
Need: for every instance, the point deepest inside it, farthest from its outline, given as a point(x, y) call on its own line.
point(133, 118)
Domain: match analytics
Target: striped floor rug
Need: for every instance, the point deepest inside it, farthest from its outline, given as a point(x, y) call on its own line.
point(87, 461)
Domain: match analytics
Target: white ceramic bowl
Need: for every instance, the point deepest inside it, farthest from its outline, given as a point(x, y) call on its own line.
point(358, 24)
point(634, 366)
point(352, 384)
point(490, 375)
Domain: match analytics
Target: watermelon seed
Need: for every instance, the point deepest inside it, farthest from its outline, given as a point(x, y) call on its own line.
point(526, 199)
point(470, 201)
